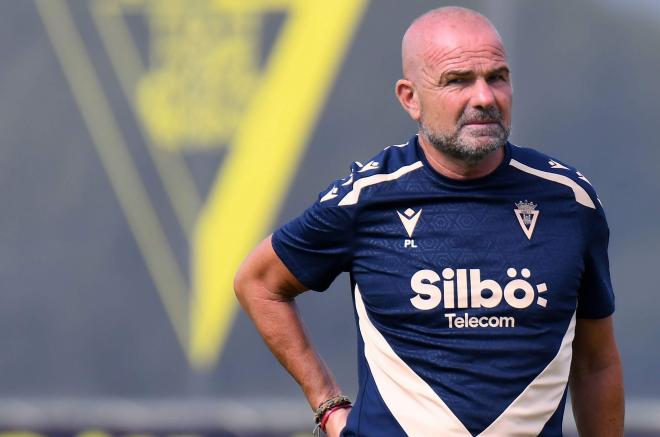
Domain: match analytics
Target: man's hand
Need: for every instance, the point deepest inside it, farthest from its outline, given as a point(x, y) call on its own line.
point(596, 380)
point(337, 422)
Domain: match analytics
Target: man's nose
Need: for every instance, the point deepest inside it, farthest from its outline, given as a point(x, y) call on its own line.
point(482, 95)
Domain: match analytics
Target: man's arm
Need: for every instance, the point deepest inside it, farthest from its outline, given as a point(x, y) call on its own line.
point(596, 380)
point(266, 290)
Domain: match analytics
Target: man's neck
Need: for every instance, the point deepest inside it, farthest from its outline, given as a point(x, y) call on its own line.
point(459, 169)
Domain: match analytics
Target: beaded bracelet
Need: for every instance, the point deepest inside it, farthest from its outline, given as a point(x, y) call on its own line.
point(328, 406)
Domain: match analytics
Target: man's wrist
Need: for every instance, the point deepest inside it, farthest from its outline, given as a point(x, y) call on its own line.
point(326, 408)
point(328, 414)
point(328, 404)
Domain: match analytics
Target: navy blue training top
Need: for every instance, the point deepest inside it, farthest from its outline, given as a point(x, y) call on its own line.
point(465, 292)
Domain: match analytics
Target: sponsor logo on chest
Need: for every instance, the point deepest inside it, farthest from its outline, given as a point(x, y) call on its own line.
point(466, 289)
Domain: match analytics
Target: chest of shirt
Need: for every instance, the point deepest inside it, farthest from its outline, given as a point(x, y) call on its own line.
point(470, 262)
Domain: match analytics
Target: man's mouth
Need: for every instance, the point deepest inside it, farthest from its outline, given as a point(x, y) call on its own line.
point(482, 123)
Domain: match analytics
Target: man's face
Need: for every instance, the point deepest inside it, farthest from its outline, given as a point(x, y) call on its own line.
point(465, 95)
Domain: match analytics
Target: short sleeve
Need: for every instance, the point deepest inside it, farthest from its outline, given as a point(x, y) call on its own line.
point(596, 297)
point(316, 246)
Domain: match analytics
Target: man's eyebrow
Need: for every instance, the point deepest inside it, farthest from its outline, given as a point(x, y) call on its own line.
point(459, 73)
point(465, 73)
point(470, 74)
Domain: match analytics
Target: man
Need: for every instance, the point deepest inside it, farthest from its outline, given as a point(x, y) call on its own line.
point(479, 269)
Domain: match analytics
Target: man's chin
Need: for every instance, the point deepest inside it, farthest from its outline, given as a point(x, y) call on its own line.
point(484, 143)
point(483, 136)
point(469, 145)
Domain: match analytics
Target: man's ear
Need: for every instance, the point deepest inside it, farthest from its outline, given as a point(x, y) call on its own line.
point(405, 92)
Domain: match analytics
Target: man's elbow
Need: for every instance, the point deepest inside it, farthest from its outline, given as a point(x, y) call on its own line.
point(250, 282)
point(241, 279)
point(263, 277)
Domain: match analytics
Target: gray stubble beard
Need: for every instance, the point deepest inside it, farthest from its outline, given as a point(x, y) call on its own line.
point(453, 146)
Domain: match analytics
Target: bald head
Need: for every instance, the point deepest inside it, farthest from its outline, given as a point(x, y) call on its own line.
point(456, 85)
point(440, 31)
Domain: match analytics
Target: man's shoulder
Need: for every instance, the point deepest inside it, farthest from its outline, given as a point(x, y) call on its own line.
point(534, 157)
point(553, 170)
point(390, 164)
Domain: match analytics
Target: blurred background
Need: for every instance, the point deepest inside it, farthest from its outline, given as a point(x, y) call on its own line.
point(147, 145)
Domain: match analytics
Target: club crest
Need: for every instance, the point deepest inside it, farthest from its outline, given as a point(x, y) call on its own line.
point(527, 214)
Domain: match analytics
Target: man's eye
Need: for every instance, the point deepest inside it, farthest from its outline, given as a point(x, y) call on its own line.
point(498, 78)
point(455, 81)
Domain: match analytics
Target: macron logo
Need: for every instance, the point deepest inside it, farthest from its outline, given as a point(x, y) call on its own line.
point(330, 194)
point(555, 164)
point(371, 165)
point(409, 219)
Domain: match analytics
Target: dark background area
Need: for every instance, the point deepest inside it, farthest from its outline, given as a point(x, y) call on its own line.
point(80, 318)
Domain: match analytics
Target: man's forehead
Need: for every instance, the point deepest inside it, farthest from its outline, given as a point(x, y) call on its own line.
point(490, 56)
point(450, 35)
